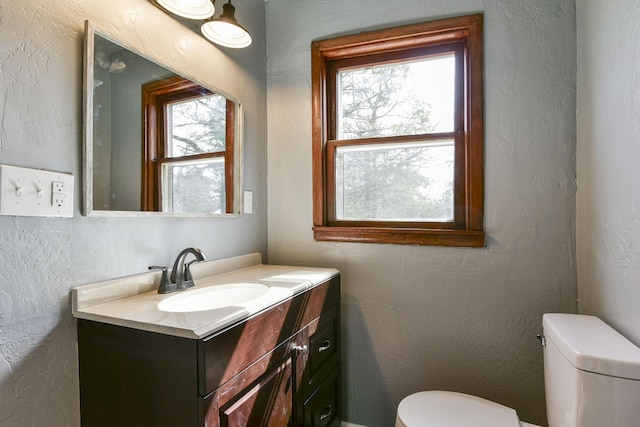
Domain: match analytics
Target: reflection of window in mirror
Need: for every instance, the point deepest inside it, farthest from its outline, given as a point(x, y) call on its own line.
point(187, 161)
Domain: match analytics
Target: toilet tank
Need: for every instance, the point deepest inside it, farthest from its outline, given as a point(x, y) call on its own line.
point(591, 373)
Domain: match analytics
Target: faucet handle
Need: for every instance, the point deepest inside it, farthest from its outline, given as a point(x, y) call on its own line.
point(188, 277)
point(165, 284)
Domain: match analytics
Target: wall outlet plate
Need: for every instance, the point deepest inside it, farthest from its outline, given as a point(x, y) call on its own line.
point(35, 192)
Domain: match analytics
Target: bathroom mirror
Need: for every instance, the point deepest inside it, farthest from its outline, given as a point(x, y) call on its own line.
point(155, 142)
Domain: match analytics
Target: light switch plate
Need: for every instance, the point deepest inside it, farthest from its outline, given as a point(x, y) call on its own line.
point(35, 192)
point(248, 201)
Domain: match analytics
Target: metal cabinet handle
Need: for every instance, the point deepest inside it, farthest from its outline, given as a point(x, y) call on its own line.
point(326, 345)
point(301, 348)
point(328, 410)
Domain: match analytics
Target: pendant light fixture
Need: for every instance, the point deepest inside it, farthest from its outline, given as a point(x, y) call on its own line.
point(190, 9)
point(225, 29)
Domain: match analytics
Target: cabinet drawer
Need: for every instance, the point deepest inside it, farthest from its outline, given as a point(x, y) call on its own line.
point(324, 349)
point(323, 408)
point(324, 343)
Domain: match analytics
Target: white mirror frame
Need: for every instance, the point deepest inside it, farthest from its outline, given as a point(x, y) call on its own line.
point(87, 136)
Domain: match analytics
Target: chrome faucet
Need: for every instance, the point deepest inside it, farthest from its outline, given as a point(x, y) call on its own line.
point(181, 273)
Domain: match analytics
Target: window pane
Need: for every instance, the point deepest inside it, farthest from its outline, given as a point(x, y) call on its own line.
point(197, 126)
point(194, 187)
point(403, 182)
point(407, 98)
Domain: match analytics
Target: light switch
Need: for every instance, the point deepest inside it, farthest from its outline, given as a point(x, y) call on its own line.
point(35, 192)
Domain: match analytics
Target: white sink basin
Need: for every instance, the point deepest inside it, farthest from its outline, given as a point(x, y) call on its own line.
point(219, 296)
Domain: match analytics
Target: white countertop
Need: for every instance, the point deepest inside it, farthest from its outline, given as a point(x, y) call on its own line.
point(133, 301)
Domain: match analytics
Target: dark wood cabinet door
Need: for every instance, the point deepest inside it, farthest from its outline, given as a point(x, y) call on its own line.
point(132, 378)
point(269, 402)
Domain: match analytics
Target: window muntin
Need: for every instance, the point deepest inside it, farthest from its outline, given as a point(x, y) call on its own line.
point(357, 129)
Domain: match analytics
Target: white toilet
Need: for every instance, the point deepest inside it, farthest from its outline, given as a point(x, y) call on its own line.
point(592, 379)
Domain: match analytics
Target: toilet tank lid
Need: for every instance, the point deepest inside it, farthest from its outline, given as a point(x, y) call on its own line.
point(592, 345)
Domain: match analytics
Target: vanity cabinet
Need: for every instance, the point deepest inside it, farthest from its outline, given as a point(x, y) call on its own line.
point(279, 367)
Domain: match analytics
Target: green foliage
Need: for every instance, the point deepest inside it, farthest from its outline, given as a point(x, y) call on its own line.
point(198, 188)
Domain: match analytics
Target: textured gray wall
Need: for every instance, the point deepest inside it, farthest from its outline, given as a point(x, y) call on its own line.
point(40, 126)
point(608, 202)
point(414, 318)
point(419, 318)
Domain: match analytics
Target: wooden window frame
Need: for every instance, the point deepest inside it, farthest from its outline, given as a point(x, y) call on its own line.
point(155, 98)
point(395, 44)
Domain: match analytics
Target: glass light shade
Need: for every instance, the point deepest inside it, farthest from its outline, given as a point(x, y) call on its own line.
point(191, 9)
point(226, 34)
point(225, 29)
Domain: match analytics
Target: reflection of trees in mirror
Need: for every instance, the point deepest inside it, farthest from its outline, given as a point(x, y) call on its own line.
point(198, 125)
point(198, 187)
point(399, 181)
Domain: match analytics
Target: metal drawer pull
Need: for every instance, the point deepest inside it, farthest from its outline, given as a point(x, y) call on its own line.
point(301, 348)
point(328, 410)
point(324, 346)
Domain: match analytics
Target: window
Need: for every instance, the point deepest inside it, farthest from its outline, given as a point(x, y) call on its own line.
point(188, 149)
point(398, 135)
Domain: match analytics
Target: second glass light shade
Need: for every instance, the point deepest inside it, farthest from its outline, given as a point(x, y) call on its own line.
point(225, 29)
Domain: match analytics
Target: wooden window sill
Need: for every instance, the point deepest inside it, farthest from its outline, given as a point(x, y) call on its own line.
point(401, 236)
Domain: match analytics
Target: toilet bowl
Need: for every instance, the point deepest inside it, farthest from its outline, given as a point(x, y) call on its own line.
point(592, 379)
point(451, 409)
